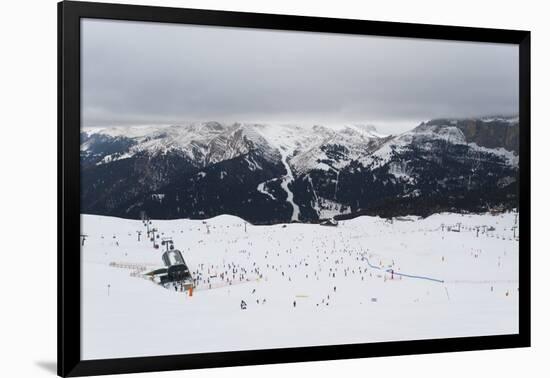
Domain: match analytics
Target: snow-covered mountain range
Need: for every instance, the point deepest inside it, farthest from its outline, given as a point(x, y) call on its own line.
point(280, 173)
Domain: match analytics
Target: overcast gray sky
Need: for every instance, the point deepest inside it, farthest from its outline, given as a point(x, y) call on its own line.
point(149, 73)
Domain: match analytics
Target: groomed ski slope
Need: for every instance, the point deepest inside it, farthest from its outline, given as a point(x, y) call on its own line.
point(340, 278)
point(286, 180)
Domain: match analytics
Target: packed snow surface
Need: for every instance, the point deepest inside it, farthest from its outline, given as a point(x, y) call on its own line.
point(364, 280)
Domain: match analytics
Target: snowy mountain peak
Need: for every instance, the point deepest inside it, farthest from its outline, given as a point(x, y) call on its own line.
point(205, 143)
point(269, 173)
point(305, 147)
point(369, 130)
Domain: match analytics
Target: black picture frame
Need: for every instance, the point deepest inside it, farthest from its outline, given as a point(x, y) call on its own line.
point(69, 294)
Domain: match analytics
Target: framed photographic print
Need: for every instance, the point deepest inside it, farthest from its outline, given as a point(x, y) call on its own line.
point(239, 188)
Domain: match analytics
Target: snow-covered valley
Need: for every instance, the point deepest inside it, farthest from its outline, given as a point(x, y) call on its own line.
point(366, 280)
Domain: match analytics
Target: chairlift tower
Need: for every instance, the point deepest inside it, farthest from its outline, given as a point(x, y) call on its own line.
point(148, 229)
point(168, 242)
point(83, 238)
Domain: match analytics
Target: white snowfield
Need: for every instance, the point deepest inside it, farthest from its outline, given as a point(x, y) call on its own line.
point(303, 284)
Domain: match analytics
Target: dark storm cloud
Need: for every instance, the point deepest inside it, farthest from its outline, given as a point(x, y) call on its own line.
point(135, 73)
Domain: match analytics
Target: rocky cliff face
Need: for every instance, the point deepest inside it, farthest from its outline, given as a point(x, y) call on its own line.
point(488, 132)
